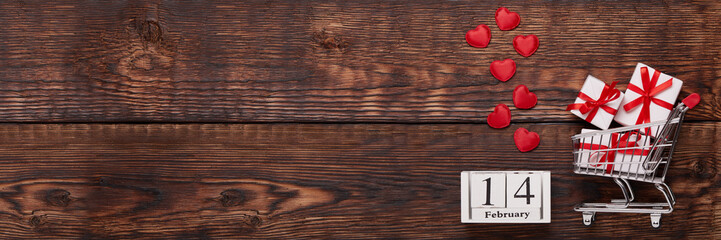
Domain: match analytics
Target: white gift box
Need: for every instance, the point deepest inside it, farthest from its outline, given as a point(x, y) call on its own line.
point(600, 117)
point(628, 161)
point(656, 112)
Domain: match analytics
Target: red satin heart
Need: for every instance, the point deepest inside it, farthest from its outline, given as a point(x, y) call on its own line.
point(507, 20)
point(525, 140)
point(500, 117)
point(479, 37)
point(524, 99)
point(691, 100)
point(525, 45)
point(503, 70)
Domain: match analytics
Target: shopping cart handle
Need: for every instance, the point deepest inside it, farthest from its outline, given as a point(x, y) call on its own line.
point(691, 100)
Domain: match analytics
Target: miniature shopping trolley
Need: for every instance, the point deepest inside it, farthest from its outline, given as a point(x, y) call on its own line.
point(639, 153)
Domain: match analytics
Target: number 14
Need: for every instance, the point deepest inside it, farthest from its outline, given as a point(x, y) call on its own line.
point(526, 183)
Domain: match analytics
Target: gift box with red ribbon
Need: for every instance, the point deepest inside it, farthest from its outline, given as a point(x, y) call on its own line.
point(650, 97)
point(621, 152)
point(597, 102)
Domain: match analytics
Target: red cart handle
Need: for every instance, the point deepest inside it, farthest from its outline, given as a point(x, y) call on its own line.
point(691, 100)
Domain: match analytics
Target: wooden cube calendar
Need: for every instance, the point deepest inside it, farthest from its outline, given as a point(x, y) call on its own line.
point(506, 197)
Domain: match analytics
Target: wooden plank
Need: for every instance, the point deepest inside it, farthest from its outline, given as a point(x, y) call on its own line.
point(216, 181)
point(320, 61)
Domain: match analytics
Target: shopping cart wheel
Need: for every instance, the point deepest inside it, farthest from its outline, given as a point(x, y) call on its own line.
point(588, 218)
point(656, 220)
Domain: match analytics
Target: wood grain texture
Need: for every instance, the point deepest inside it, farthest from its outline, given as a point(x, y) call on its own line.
point(344, 181)
point(356, 61)
point(334, 61)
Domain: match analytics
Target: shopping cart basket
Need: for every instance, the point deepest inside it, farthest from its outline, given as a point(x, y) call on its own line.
point(638, 153)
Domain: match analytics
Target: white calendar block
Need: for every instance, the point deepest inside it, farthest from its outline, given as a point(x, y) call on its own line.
point(506, 197)
point(523, 190)
point(482, 187)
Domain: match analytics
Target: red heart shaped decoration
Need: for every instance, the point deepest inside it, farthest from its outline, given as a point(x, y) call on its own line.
point(507, 20)
point(524, 99)
point(525, 45)
point(691, 100)
point(503, 70)
point(525, 140)
point(479, 37)
point(500, 117)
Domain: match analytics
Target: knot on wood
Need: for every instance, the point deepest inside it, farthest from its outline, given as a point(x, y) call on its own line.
point(58, 197)
point(703, 169)
point(330, 42)
point(250, 224)
point(256, 221)
point(37, 221)
point(232, 197)
point(149, 30)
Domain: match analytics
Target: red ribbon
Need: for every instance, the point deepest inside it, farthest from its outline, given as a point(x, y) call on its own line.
point(647, 96)
point(591, 106)
point(616, 142)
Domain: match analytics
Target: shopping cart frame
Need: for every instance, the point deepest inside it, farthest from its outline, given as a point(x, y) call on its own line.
point(652, 168)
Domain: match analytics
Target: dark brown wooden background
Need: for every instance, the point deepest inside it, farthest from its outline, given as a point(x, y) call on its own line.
point(325, 119)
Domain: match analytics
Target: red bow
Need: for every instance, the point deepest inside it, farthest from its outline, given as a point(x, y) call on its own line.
point(608, 94)
point(616, 142)
point(647, 96)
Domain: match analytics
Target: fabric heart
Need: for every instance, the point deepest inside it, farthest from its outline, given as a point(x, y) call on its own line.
point(479, 37)
point(525, 140)
point(525, 45)
point(507, 20)
point(691, 100)
point(524, 99)
point(500, 117)
point(503, 70)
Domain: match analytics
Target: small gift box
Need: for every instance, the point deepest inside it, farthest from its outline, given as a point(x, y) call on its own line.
point(620, 152)
point(650, 97)
point(597, 102)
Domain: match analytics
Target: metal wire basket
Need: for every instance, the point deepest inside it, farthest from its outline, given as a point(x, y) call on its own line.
point(639, 153)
